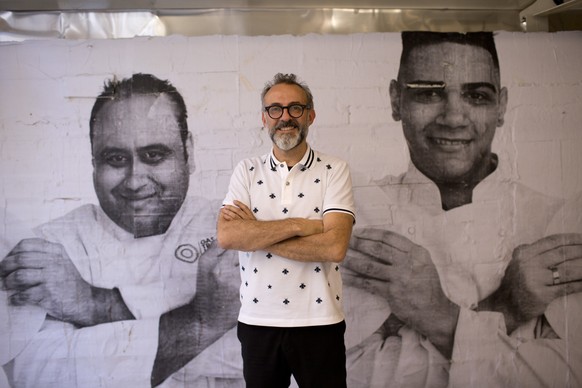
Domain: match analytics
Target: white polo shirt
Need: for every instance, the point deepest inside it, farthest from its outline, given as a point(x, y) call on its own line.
point(276, 291)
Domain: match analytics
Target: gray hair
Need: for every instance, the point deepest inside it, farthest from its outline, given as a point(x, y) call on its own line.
point(289, 79)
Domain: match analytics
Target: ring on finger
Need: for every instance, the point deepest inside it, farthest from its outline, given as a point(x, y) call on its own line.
point(555, 276)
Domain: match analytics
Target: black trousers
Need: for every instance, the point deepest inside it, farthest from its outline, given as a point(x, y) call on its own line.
point(314, 355)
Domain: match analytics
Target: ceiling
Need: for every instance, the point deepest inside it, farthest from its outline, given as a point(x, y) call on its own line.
point(74, 19)
point(70, 5)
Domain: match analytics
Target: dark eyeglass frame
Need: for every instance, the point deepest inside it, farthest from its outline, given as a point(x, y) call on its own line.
point(288, 107)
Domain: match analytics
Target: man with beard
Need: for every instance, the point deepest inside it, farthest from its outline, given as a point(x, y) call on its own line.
point(459, 251)
point(124, 283)
point(290, 214)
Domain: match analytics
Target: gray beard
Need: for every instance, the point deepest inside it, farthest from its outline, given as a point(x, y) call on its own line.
point(286, 142)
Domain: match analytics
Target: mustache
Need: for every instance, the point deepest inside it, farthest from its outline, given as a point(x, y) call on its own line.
point(286, 124)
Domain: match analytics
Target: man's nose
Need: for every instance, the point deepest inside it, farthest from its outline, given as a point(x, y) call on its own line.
point(137, 176)
point(454, 112)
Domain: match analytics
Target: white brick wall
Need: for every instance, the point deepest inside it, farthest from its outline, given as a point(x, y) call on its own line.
point(47, 89)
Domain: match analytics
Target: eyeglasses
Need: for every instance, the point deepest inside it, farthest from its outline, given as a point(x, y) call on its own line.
point(294, 110)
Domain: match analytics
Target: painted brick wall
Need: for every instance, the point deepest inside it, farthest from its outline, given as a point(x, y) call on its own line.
point(48, 89)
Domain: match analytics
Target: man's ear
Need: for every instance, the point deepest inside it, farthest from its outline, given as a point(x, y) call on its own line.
point(311, 116)
point(502, 107)
point(189, 144)
point(395, 99)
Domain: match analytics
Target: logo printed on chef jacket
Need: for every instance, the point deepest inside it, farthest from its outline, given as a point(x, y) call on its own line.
point(190, 253)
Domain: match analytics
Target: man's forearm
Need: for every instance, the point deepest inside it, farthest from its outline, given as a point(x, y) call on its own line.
point(179, 342)
point(498, 302)
point(441, 330)
point(183, 335)
point(317, 247)
point(330, 245)
point(253, 235)
point(106, 305)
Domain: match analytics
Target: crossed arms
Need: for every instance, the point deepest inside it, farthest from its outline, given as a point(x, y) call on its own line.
point(389, 265)
point(294, 238)
point(39, 272)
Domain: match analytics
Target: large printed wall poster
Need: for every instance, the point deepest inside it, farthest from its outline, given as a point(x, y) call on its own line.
point(465, 265)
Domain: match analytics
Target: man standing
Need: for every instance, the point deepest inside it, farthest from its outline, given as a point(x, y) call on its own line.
point(123, 282)
point(455, 247)
point(290, 213)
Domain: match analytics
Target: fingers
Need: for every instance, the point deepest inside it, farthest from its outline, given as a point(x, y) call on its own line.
point(22, 279)
point(563, 254)
point(22, 260)
point(546, 247)
point(570, 288)
point(7, 266)
point(248, 213)
point(36, 245)
point(30, 253)
point(30, 296)
point(373, 286)
point(566, 272)
point(239, 211)
point(378, 236)
point(564, 289)
point(385, 246)
point(241, 205)
point(367, 266)
point(229, 213)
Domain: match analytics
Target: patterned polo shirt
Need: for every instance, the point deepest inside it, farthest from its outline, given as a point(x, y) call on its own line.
point(276, 291)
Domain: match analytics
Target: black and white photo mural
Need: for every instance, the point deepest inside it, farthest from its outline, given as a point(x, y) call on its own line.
point(465, 263)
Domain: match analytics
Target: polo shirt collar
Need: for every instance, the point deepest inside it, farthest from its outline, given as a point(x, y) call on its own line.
point(305, 162)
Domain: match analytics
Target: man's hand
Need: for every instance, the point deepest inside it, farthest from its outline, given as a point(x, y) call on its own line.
point(239, 211)
point(528, 286)
point(392, 266)
point(186, 331)
point(39, 272)
point(217, 289)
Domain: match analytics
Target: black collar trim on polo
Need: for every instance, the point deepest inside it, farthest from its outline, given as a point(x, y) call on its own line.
point(273, 163)
point(309, 159)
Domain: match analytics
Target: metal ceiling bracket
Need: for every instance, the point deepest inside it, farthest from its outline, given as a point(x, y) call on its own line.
point(535, 17)
point(530, 22)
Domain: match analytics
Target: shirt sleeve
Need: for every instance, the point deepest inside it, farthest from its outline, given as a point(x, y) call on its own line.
point(238, 188)
point(154, 299)
point(108, 355)
point(485, 355)
point(339, 195)
point(405, 360)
